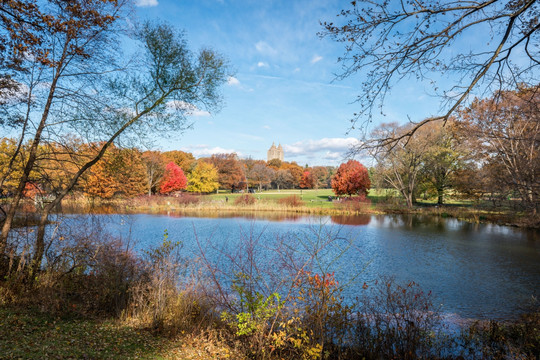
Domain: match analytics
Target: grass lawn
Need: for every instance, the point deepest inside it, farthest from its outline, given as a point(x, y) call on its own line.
point(29, 334)
point(311, 197)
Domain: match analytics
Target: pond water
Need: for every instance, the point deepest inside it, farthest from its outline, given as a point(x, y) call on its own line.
point(475, 271)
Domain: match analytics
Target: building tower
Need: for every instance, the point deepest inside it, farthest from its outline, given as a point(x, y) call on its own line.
point(275, 152)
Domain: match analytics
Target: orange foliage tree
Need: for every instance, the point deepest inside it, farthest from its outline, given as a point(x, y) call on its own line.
point(120, 172)
point(351, 178)
point(307, 181)
point(230, 170)
point(173, 179)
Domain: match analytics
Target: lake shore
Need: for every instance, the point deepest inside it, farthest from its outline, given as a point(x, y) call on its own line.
point(306, 202)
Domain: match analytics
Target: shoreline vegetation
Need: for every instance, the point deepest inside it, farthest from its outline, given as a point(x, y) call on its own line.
point(95, 297)
point(304, 202)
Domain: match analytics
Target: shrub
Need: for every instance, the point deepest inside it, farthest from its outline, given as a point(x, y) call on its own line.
point(245, 199)
point(397, 322)
point(355, 203)
point(292, 201)
point(510, 340)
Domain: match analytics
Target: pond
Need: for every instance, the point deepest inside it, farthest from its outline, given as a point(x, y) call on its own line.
point(474, 271)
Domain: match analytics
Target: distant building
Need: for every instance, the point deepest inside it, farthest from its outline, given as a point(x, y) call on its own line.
point(275, 152)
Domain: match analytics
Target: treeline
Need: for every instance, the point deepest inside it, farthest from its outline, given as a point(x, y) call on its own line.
point(131, 172)
point(488, 150)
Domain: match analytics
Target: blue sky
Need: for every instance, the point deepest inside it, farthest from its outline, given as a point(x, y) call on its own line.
point(284, 89)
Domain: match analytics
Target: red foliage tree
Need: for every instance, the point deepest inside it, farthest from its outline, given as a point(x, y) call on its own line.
point(351, 178)
point(173, 179)
point(307, 181)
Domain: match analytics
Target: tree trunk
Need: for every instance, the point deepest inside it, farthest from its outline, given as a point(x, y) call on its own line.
point(440, 195)
point(39, 246)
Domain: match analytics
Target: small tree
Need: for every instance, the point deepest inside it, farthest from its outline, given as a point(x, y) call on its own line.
point(173, 179)
point(351, 178)
point(203, 178)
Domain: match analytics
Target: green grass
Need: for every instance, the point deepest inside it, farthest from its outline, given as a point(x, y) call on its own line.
point(310, 197)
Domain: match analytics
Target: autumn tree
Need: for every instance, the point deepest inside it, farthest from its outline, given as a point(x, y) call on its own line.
point(400, 165)
point(261, 175)
point(10, 167)
point(154, 163)
point(275, 163)
point(181, 158)
point(173, 179)
point(504, 133)
point(119, 172)
point(203, 178)
point(307, 181)
point(351, 178)
point(296, 172)
point(387, 41)
point(320, 176)
point(283, 179)
point(230, 170)
point(89, 95)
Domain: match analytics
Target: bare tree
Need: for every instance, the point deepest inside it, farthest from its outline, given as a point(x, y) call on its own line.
point(103, 104)
point(400, 164)
point(388, 41)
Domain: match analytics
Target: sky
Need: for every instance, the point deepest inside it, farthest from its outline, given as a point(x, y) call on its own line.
point(284, 88)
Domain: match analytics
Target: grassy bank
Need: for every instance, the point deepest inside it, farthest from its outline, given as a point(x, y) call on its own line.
point(285, 203)
point(27, 333)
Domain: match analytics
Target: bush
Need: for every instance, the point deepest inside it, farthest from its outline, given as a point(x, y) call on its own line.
point(292, 201)
point(245, 199)
point(355, 203)
point(397, 322)
point(511, 340)
point(187, 199)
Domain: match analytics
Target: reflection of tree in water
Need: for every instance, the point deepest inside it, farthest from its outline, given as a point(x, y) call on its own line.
point(411, 221)
point(271, 216)
point(351, 220)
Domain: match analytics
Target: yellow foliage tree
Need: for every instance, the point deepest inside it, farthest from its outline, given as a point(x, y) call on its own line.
point(9, 174)
point(203, 178)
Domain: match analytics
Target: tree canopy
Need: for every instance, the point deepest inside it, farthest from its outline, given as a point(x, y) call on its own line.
point(351, 178)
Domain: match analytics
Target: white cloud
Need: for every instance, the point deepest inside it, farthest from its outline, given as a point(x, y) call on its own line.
point(190, 109)
point(316, 59)
point(331, 155)
point(296, 70)
point(232, 81)
point(203, 150)
point(265, 49)
point(267, 127)
point(333, 147)
point(262, 64)
point(146, 3)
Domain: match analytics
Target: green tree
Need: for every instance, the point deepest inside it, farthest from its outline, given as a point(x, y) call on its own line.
point(203, 178)
point(443, 158)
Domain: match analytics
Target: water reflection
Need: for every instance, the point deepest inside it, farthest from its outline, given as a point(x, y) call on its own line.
point(356, 220)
